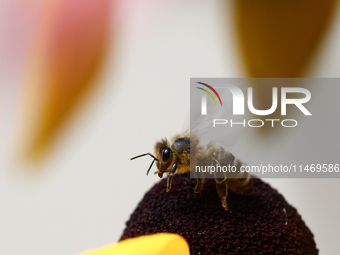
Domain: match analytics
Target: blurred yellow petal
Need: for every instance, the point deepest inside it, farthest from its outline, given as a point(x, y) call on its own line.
point(278, 38)
point(156, 244)
point(67, 51)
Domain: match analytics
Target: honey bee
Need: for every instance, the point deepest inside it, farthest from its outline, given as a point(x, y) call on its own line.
point(175, 158)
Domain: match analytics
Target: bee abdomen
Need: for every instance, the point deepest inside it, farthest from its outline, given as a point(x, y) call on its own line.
point(241, 186)
point(238, 181)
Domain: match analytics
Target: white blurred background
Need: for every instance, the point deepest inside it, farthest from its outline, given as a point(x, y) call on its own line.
point(87, 187)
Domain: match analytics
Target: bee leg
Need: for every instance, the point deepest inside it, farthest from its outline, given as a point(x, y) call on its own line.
point(169, 182)
point(198, 188)
point(170, 176)
point(222, 191)
point(218, 178)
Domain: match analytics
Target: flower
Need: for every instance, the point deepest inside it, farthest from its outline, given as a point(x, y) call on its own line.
point(157, 244)
point(263, 223)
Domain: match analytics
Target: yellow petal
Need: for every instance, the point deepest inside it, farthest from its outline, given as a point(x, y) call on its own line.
point(156, 244)
point(278, 38)
point(66, 54)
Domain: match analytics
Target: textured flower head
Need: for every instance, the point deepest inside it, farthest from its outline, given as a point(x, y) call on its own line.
point(263, 223)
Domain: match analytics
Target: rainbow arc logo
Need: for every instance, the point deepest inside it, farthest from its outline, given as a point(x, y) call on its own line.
point(212, 89)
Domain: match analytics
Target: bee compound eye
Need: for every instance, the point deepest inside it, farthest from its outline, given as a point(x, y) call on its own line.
point(166, 153)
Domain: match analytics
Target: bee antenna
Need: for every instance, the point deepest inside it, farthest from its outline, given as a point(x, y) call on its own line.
point(145, 155)
point(150, 167)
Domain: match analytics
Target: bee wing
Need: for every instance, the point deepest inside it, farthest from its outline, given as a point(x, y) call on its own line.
point(202, 125)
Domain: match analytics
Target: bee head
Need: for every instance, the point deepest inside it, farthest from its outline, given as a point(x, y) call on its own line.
point(164, 155)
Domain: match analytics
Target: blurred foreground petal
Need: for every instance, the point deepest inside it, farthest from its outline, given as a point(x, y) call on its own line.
point(66, 54)
point(157, 244)
point(278, 38)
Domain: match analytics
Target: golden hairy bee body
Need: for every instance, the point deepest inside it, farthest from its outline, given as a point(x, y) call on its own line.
point(176, 157)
